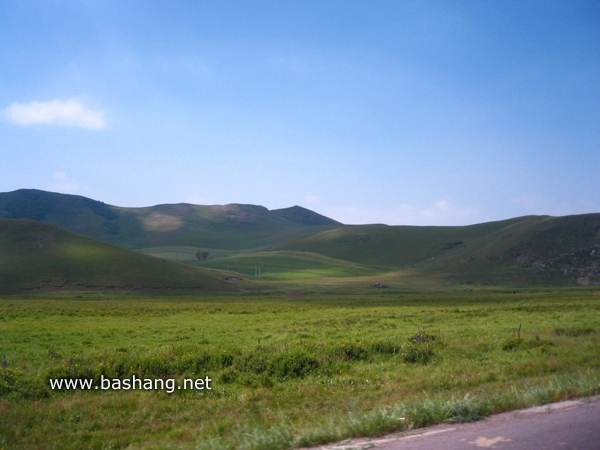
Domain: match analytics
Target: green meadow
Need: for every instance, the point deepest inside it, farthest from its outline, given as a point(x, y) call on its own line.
point(287, 370)
point(288, 266)
point(274, 265)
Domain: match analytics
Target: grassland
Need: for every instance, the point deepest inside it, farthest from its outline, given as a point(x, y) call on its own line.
point(288, 265)
point(288, 370)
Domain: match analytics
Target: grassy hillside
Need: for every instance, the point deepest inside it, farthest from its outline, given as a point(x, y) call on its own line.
point(541, 250)
point(217, 226)
point(391, 246)
point(36, 256)
point(524, 250)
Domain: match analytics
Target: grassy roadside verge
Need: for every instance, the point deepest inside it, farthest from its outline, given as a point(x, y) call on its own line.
point(414, 413)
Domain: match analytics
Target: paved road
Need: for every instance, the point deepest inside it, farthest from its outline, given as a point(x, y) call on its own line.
point(571, 425)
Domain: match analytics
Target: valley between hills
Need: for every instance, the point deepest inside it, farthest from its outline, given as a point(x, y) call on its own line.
point(53, 241)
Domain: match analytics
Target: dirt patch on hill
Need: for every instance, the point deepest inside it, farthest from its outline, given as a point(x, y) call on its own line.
point(161, 222)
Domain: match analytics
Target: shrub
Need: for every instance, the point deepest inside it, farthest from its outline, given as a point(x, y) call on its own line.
point(574, 331)
point(415, 352)
point(229, 375)
point(512, 343)
point(14, 383)
point(293, 364)
point(517, 343)
point(352, 350)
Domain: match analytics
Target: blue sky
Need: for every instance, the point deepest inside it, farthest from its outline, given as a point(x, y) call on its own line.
point(397, 112)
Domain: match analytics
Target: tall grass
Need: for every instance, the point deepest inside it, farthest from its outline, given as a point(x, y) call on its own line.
point(415, 413)
point(261, 365)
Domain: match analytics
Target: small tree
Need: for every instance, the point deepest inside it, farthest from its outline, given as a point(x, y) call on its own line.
point(201, 256)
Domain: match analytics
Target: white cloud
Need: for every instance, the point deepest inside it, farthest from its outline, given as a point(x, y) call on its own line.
point(56, 112)
point(64, 184)
point(441, 212)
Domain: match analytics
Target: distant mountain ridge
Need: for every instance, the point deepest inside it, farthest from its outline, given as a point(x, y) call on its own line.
point(303, 216)
point(232, 226)
point(522, 250)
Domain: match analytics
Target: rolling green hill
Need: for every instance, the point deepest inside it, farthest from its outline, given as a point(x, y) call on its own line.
point(296, 243)
point(37, 256)
point(540, 249)
point(524, 250)
point(218, 226)
point(391, 246)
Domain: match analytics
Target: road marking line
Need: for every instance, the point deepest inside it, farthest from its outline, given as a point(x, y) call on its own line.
point(489, 443)
point(351, 444)
point(429, 433)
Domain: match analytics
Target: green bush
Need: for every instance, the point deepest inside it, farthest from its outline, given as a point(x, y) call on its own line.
point(229, 375)
point(352, 350)
point(516, 343)
point(574, 331)
point(512, 343)
point(293, 364)
point(14, 383)
point(417, 353)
